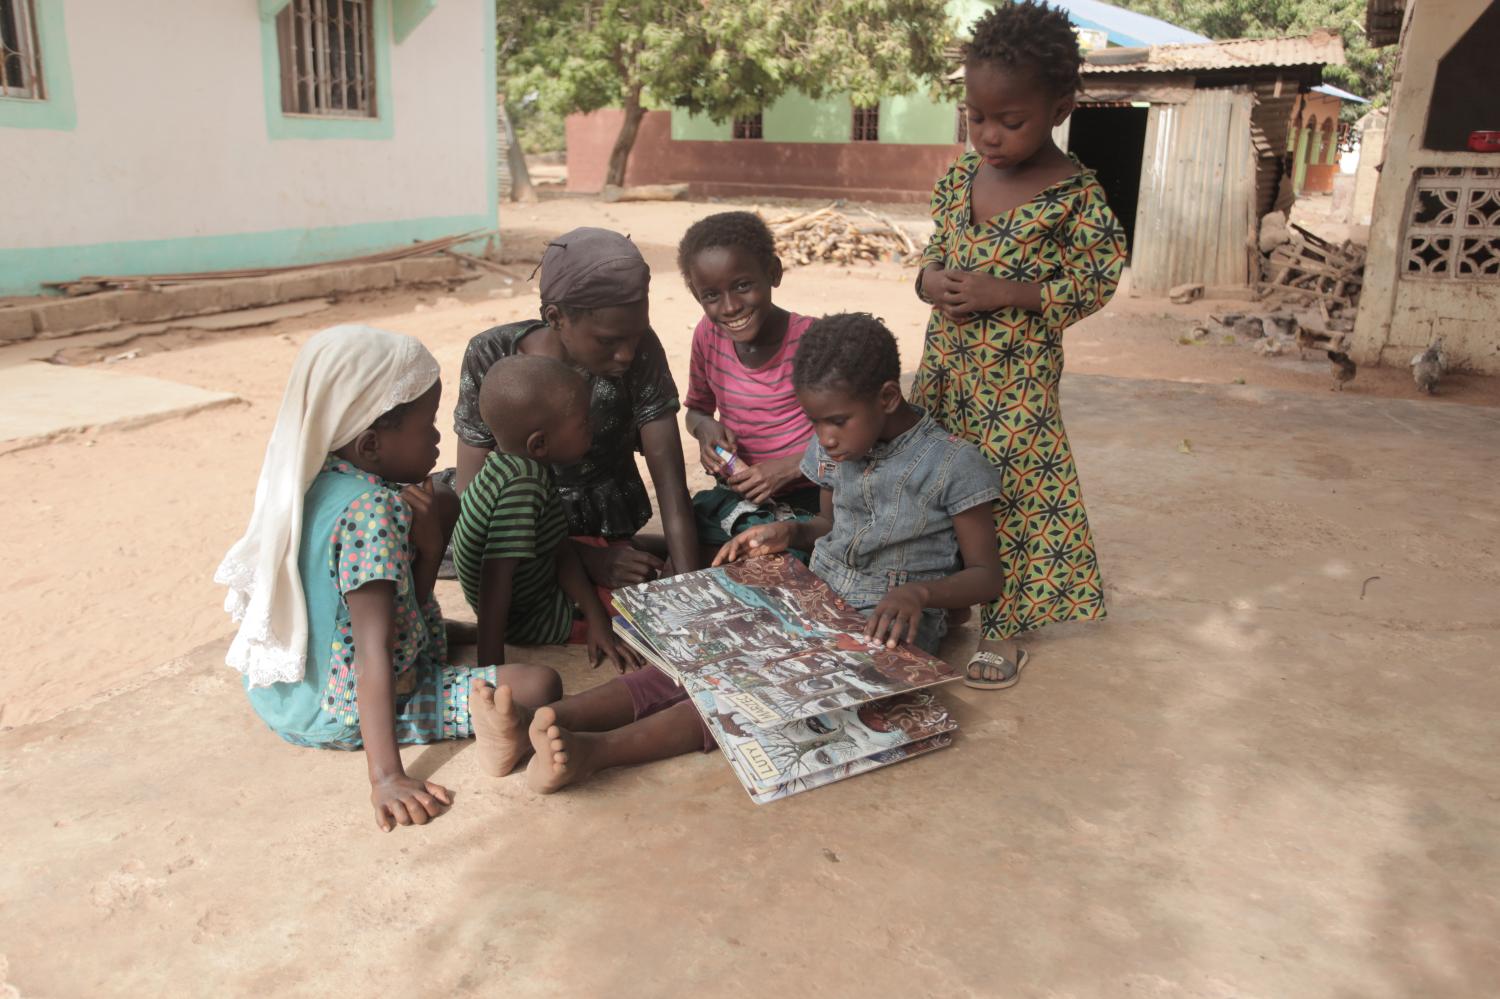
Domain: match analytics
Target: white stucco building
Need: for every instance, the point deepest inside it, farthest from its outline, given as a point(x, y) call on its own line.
point(191, 135)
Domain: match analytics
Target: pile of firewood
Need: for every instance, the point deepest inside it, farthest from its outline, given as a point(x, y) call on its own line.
point(1309, 270)
point(829, 235)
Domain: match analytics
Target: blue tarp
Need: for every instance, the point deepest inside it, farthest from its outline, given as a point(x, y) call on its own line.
point(1125, 27)
point(1343, 95)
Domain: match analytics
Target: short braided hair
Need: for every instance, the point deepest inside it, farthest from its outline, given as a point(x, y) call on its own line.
point(851, 350)
point(744, 230)
point(1031, 36)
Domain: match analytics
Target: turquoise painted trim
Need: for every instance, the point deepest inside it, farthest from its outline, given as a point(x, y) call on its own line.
point(913, 119)
point(270, 8)
point(22, 271)
point(408, 14)
point(280, 125)
point(57, 111)
point(795, 117)
point(689, 127)
point(918, 120)
point(491, 105)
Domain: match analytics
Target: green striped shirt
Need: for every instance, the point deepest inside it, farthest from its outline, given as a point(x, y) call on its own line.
point(512, 510)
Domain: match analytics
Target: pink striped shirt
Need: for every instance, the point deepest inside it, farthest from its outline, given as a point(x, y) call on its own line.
point(758, 404)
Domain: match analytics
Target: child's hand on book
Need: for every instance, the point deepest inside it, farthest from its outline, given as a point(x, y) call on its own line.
point(603, 645)
point(896, 618)
point(762, 539)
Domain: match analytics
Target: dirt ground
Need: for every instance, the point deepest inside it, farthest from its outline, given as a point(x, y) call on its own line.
point(1265, 774)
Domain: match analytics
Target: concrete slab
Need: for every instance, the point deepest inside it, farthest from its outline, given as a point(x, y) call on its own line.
point(39, 401)
point(1270, 772)
point(245, 318)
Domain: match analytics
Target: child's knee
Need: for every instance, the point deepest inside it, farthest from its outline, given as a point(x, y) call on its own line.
point(532, 686)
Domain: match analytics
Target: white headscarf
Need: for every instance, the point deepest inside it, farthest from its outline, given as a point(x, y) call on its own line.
point(344, 378)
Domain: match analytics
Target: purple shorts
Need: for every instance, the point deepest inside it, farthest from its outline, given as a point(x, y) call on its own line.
point(651, 691)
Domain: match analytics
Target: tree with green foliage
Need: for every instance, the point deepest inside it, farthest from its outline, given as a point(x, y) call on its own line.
point(718, 59)
point(1368, 70)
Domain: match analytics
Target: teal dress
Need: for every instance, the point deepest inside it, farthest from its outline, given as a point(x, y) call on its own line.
point(355, 531)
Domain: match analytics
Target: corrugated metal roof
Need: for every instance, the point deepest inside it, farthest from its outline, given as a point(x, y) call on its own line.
point(1321, 48)
point(1125, 27)
point(1383, 21)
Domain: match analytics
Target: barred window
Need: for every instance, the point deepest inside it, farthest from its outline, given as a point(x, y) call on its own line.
point(20, 67)
point(747, 126)
point(327, 58)
point(867, 124)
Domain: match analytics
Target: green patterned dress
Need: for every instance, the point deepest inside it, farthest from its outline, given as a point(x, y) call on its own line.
point(993, 380)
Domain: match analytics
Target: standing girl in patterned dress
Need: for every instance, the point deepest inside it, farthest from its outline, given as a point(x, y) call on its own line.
point(340, 640)
point(1024, 245)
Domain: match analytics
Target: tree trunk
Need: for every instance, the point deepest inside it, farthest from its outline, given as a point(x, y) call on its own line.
point(520, 177)
point(619, 157)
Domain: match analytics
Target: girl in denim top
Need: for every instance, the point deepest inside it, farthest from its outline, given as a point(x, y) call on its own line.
point(904, 532)
point(905, 529)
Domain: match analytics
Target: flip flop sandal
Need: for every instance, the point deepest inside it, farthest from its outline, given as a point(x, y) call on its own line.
point(1010, 672)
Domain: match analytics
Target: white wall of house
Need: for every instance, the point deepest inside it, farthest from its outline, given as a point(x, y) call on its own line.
point(173, 160)
point(1400, 313)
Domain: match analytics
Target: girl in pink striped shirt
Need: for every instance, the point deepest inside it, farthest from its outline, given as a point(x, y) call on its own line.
point(740, 405)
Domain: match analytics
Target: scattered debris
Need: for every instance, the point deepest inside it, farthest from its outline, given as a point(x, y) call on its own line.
point(1273, 231)
point(1428, 367)
point(242, 318)
point(1307, 268)
point(1185, 446)
point(1250, 327)
point(94, 283)
point(1343, 369)
point(643, 192)
point(1185, 293)
point(128, 355)
point(828, 234)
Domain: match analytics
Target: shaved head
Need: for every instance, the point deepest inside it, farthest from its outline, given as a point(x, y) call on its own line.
point(525, 393)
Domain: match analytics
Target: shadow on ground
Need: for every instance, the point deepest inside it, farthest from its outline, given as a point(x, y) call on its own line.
point(1269, 772)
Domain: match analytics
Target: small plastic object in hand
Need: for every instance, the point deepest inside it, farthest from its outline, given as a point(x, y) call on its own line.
point(727, 457)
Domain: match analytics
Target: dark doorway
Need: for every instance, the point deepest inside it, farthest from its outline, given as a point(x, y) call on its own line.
point(1111, 142)
point(1465, 97)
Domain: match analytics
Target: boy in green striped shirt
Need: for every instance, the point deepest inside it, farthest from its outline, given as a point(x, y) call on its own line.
point(519, 571)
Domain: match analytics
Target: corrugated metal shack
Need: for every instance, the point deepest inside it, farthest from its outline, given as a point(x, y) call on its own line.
point(1191, 143)
point(1194, 141)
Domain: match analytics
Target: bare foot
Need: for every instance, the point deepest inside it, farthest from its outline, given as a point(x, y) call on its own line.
point(561, 757)
point(499, 728)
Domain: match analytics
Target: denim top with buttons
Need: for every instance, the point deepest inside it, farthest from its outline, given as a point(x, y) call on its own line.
point(893, 510)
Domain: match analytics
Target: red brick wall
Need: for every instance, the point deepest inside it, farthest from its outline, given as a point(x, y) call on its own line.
point(867, 171)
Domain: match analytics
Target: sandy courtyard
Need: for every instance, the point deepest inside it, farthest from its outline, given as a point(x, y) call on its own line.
point(1268, 773)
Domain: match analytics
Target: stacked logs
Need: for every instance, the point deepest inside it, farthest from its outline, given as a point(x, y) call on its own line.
point(829, 235)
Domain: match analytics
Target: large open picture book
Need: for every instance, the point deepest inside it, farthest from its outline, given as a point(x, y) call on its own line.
point(779, 669)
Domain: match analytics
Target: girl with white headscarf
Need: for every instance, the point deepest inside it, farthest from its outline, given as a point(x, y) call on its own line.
point(340, 641)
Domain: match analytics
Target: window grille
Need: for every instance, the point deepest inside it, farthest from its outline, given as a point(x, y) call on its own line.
point(747, 126)
point(867, 124)
point(327, 58)
point(20, 66)
point(961, 131)
point(1453, 229)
